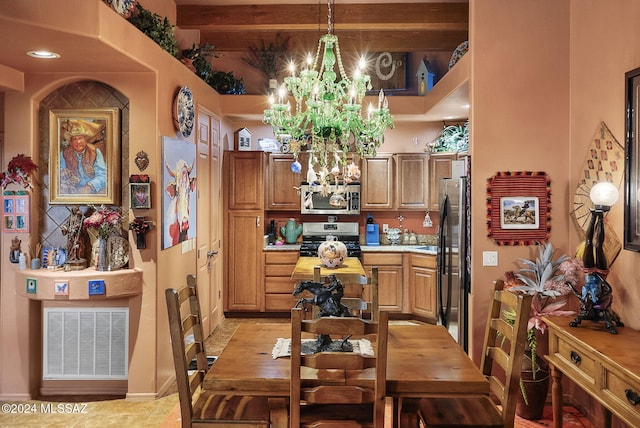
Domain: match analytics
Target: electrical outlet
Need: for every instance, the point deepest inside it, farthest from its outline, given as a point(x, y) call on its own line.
point(489, 258)
point(385, 227)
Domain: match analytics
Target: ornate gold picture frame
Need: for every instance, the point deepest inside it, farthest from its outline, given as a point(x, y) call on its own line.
point(84, 157)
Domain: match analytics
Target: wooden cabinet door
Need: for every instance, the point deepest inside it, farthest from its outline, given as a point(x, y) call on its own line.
point(245, 279)
point(412, 182)
point(281, 194)
point(244, 173)
point(422, 287)
point(389, 287)
point(377, 183)
point(439, 167)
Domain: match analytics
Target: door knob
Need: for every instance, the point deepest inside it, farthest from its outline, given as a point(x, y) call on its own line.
point(211, 254)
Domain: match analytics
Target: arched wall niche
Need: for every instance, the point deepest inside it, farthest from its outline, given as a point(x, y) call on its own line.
point(75, 95)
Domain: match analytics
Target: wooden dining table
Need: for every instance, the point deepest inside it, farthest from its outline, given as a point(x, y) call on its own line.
point(422, 359)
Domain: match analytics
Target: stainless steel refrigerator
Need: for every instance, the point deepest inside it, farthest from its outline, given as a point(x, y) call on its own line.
point(453, 269)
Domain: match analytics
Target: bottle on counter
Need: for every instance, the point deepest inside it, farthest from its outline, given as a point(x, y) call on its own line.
point(22, 261)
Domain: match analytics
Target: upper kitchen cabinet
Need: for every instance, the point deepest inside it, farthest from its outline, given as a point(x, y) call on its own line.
point(245, 191)
point(412, 181)
point(281, 184)
point(439, 167)
point(377, 183)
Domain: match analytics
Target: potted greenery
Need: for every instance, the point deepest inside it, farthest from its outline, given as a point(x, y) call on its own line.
point(269, 59)
point(156, 28)
point(549, 281)
point(452, 138)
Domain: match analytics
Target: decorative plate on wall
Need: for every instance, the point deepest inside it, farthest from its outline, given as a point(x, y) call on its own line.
point(184, 111)
point(123, 7)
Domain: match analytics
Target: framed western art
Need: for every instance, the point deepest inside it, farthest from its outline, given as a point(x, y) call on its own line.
point(84, 156)
point(178, 196)
point(632, 162)
point(518, 207)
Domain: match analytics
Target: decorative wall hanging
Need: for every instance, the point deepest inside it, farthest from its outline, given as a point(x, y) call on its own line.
point(604, 162)
point(518, 207)
point(140, 191)
point(142, 160)
point(184, 111)
point(84, 158)
point(178, 184)
point(32, 286)
point(15, 213)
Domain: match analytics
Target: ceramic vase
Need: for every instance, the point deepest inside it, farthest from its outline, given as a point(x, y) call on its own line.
point(535, 389)
point(102, 262)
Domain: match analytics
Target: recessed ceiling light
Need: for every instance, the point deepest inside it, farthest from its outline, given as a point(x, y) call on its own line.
point(43, 54)
point(465, 106)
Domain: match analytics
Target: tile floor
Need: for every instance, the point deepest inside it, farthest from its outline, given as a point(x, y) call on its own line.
point(163, 413)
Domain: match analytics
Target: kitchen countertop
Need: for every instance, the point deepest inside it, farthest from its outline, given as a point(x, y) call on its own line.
point(420, 249)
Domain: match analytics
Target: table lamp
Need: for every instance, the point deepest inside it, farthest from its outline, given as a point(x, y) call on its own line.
point(596, 294)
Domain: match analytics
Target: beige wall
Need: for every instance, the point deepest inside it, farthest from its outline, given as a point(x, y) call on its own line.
point(519, 122)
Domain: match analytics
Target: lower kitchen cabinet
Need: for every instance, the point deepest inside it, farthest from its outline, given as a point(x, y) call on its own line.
point(389, 278)
point(422, 286)
point(278, 285)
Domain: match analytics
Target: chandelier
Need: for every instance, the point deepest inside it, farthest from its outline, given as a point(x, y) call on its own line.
point(328, 117)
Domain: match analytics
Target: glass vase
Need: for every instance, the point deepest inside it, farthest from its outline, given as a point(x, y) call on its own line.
point(102, 262)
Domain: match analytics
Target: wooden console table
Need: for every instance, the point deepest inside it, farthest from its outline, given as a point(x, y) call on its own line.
point(605, 365)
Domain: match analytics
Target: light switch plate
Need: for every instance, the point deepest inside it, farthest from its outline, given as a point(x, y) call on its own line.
point(489, 258)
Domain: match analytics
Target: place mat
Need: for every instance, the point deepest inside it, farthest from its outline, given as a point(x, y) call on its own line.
point(282, 347)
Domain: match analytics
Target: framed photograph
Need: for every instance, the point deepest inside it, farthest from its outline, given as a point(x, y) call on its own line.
point(632, 162)
point(519, 212)
point(84, 157)
point(518, 207)
point(15, 213)
point(140, 195)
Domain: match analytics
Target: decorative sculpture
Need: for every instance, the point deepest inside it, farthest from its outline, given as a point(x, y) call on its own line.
point(328, 299)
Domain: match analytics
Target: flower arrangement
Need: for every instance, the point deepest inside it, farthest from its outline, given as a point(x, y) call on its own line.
point(105, 220)
point(18, 171)
point(549, 281)
point(140, 225)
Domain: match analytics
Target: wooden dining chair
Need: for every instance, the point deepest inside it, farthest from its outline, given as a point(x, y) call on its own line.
point(338, 389)
point(200, 407)
point(360, 292)
point(504, 348)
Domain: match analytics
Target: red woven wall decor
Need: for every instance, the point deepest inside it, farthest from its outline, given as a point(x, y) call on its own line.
point(520, 184)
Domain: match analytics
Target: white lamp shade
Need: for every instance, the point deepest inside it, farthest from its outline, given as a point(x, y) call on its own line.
point(604, 194)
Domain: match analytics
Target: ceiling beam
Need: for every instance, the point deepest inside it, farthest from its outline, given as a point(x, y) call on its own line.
point(399, 27)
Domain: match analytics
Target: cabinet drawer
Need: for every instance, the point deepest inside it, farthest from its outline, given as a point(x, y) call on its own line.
point(281, 257)
point(278, 270)
point(614, 391)
point(279, 284)
point(381, 259)
point(279, 302)
point(425, 261)
point(578, 358)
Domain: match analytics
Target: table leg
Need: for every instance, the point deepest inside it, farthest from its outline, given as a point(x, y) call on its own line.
point(556, 397)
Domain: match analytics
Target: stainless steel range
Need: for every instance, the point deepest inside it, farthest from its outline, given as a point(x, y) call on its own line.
point(314, 234)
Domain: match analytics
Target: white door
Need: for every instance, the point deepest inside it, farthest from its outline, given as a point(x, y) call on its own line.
point(208, 241)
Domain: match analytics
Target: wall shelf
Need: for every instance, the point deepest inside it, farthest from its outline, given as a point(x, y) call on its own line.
point(117, 284)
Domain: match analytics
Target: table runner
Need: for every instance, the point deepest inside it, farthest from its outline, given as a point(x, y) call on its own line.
point(282, 348)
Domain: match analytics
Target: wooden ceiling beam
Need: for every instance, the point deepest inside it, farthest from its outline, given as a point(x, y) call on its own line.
point(394, 27)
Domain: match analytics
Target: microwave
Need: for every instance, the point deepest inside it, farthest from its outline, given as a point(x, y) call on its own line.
point(330, 199)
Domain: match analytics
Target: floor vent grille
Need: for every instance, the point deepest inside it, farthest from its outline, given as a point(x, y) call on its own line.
point(86, 343)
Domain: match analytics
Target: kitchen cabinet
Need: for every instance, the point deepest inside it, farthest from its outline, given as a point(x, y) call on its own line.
point(244, 172)
point(243, 181)
point(422, 286)
point(412, 181)
point(278, 285)
point(439, 167)
point(390, 271)
point(281, 182)
point(377, 183)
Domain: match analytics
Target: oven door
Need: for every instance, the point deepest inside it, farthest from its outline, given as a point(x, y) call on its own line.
point(339, 200)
